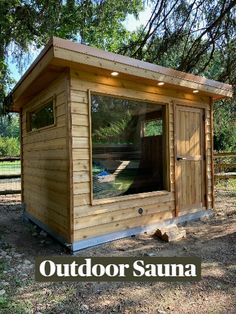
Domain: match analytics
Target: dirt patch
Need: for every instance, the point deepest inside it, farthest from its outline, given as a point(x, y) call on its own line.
point(213, 239)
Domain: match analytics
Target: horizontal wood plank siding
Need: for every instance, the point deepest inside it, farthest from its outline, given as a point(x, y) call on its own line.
point(46, 163)
point(121, 213)
point(121, 224)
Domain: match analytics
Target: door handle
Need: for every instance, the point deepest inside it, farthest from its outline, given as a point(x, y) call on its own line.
point(181, 158)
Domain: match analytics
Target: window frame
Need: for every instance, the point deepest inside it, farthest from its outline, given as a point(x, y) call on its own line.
point(167, 151)
point(36, 109)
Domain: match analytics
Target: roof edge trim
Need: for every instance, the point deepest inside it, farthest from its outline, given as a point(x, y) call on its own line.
point(110, 56)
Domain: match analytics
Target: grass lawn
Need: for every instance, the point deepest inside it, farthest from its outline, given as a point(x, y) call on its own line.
point(117, 186)
point(226, 184)
point(10, 167)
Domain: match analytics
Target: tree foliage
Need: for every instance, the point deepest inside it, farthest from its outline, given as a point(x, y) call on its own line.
point(225, 125)
point(196, 36)
point(25, 24)
point(9, 146)
point(9, 126)
point(190, 36)
point(9, 135)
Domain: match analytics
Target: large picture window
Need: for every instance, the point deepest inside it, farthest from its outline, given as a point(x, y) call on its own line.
point(41, 117)
point(127, 146)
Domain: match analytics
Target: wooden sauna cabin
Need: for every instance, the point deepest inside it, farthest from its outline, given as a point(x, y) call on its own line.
point(112, 146)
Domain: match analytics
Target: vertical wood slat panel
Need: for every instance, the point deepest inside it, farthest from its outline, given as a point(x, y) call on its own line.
point(189, 172)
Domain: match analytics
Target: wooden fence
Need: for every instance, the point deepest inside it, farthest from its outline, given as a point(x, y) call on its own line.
point(225, 165)
point(9, 176)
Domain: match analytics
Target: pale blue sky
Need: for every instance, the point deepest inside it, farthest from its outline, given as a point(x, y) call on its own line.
point(131, 24)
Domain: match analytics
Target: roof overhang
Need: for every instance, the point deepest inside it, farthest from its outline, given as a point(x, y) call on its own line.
point(60, 54)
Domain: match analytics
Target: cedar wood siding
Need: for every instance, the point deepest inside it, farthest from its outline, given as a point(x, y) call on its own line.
point(93, 218)
point(46, 163)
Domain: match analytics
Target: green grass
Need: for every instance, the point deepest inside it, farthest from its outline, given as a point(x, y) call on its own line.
point(124, 180)
point(114, 188)
point(8, 167)
point(4, 303)
point(226, 184)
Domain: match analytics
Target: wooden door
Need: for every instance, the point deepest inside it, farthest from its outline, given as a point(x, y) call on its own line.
point(190, 178)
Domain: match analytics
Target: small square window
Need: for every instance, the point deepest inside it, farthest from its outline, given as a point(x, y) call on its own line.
point(41, 117)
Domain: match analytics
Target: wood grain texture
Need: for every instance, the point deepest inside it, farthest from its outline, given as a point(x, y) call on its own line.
point(106, 216)
point(46, 163)
point(128, 68)
point(190, 163)
point(57, 185)
point(123, 224)
point(95, 218)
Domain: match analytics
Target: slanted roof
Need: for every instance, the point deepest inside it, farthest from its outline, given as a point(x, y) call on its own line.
point(59, 54)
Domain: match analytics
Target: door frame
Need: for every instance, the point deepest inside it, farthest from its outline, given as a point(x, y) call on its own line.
point(203, 146)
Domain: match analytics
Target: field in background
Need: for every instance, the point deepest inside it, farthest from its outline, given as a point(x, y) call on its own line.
point(226, 184)
point(10, 175)
point(10, 167)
